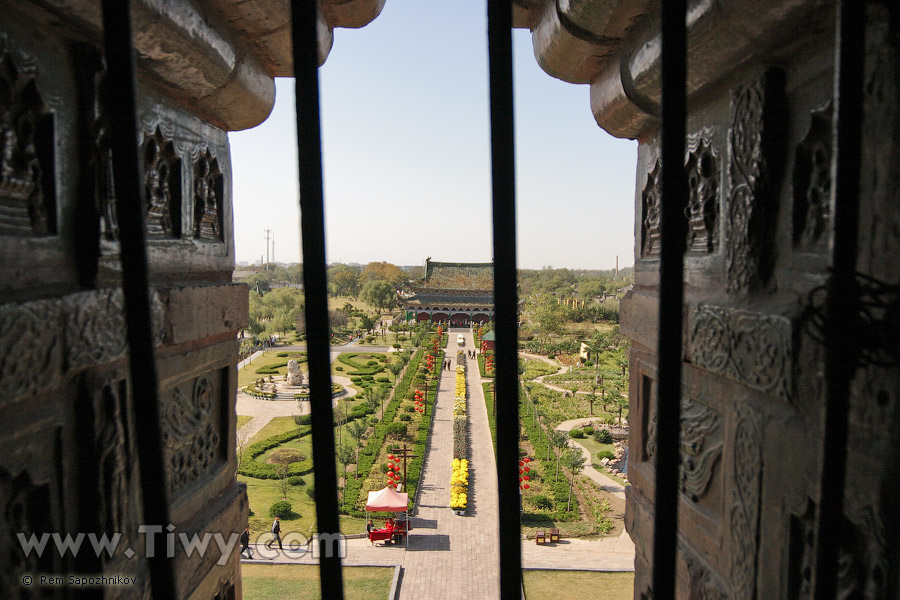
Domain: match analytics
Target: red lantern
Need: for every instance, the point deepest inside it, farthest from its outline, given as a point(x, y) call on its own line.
point(521, 471)
point(526, 486)
point(526, 477)
point(390, 457)
point(527, 469)
point(521, 463)
point(390, 465)
point(526, 459)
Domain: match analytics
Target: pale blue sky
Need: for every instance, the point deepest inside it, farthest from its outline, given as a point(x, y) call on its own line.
point(407, 157)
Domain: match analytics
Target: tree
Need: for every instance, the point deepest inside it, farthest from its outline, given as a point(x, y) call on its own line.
point(340, 413)
point(372, 401)
point(621, 402)
point(548, 317)
point(573, 461)
point(593, 397)
point(345, 457)
point(343, 280)
point(377, 394)
point(338, 319)
point(356, 430)
point(379, 294)
point(558, 440)
point(383, 271)
point(366, 322)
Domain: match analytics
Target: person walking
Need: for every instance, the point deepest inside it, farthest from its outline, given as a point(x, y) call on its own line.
point(245, 542)
point(276, 531)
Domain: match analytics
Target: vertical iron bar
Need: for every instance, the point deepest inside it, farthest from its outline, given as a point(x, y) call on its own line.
point(130, 208)
point(312, 229)
point(505, 293)
point(841, 344)
point(671, 296)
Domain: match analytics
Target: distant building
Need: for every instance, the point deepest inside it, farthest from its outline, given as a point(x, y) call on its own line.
point(458, 293)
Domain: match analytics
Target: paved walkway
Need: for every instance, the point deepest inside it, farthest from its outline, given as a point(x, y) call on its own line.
point(602, 479)
point(453, 556)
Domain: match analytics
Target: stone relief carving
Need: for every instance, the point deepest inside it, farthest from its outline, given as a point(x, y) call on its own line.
point(745, 499)
point(101, 163)
point(651, 197)
point(703, 201)
point(703, 585)
point(208, 199)
point(752, 201)
point(162, 179)
point(26, 509)
point(801, 551)
point(32, 356)
point(812, 182)
point(95, 326)
point(865, 559)
point(750, 348)
point(190, 436)
point(27, 195)
point(701, 445)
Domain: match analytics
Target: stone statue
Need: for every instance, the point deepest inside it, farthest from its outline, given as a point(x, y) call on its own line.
point(294, 375)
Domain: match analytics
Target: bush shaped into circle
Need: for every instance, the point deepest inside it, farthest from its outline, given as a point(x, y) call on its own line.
point(605, 454)
point(577, 433)
point(281, 509)
point(588, 430)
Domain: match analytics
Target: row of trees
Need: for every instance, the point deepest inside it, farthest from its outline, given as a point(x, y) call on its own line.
point(583, 284)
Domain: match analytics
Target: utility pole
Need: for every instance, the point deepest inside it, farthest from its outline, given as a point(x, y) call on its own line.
point(273, 247)
point(268, 231)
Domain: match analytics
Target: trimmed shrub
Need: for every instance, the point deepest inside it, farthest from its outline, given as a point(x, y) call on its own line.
point(577, 433)
point(339, 368)
point(383, 379)
point(281, 509)
point(605, 454)
point(587, 429)
point(296, 480)
point(397, 428)
point(311, 492)
point(405, 417)
point(541, 501)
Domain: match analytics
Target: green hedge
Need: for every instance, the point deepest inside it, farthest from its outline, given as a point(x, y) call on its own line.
point(369, 452)
point(250, 467)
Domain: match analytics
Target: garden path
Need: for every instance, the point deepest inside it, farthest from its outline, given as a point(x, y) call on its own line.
point(602, 479)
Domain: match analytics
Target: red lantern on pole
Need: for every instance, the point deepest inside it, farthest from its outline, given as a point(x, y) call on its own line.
point(526, 486)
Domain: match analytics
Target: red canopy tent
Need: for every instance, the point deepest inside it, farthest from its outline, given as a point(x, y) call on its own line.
point(389, 500)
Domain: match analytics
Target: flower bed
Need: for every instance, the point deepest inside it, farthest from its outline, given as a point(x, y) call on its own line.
point(459, 480)
point(254, 392)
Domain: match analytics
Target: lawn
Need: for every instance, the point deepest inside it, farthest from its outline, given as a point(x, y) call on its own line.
point(548, 585)
point(242, 420)
point(301, 582)
point(594, 447)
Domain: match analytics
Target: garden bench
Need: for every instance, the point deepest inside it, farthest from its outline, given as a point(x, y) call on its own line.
point(540, 538)
point(554, 535)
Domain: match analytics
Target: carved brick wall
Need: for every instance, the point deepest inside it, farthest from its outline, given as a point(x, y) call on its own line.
point(68, 460)
point(753, 385)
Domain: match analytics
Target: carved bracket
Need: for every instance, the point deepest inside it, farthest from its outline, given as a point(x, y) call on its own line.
point(750, 348)
point(208, 194)
point(812, 182)
point(162, 179)
point(702, 212)
point(651, 207)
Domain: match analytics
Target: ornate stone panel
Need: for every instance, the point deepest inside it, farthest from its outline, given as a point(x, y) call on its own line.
point(812, 183)
point(162, 179)
point(104, 191)
point(801, 551)
point(32, 353)
point(745, 503)
point(191, 415)
point(751, 348)
point(26, 509)
point(701, 446)
point(651, 198)
point(868, 554)
point(702, 582)
point(27, 192)
point(208, 194)
point(702, 167)
point(754, 150)
point(95, 326)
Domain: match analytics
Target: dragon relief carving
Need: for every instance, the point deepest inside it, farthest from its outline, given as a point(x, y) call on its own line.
point(190, 436)
point(27, 202)
point(701, 446)
point(750, 348)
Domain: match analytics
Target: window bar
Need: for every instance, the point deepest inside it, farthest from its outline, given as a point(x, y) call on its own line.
point(130, 208)
point(505, 293)
point(312, 229)
point(842, 346)
point(671, 296)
